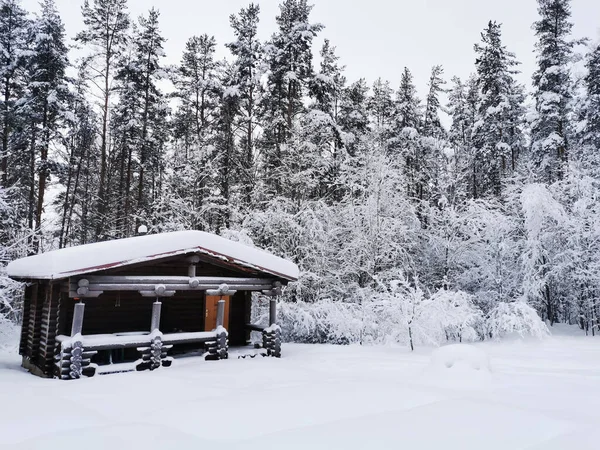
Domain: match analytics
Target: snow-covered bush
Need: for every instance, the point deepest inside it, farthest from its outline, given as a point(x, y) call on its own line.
point(397, 312)
point(13, 244)
point(457, 314)
point(515, 319)
point(325, 321)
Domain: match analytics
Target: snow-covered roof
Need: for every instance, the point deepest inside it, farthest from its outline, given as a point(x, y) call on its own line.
point(88, 258)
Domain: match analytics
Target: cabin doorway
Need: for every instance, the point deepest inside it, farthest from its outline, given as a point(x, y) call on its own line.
point(210, 318)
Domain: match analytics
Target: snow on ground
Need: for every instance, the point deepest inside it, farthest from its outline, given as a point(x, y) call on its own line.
point(537, 395)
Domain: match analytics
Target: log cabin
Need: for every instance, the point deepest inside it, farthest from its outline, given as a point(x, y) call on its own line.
point(134, 303)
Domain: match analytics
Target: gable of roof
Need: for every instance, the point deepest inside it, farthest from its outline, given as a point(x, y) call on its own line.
point(88, 258)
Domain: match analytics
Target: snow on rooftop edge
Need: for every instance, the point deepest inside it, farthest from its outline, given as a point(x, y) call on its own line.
point(86, 258)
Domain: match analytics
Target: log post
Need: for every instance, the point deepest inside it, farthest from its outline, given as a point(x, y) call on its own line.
point(156, 308)
point(272, 334)
point(220, 313)
point(273, 311)
point(75, 355)
point(77, 325)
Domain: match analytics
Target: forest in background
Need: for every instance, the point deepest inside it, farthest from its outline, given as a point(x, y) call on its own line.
point(405, 230)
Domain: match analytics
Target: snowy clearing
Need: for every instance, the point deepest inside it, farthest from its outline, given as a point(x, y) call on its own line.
point(536, 395)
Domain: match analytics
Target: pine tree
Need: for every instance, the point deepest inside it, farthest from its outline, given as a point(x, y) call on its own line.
point(326, 134)
point(462, 105)
point(148, 53)
point(381, 105)
point(249, 57)
point(199, 89)
point(591, 132)
point(14, 30)
point(406, 140)
point(429, 157)
point(196, 81)
point(107, 23)
point(408, 105)
point(79, 172)
point(289, 57)
point(228, 159)
point(552, 89)
point(494, 129)
point(126, 139)
point(432, 126)
point(47, 95)
point(353, 116)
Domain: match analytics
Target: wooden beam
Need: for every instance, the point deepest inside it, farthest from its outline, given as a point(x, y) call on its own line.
point(158, 286)
point(134, 279)
point(253, 327)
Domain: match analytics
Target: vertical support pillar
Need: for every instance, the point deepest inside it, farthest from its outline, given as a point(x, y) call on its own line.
point(74, 355)
point(156, 309)
point(273, 311)
point(77, 325)
point(220, 313)
point(272, 334)
point(222, 341)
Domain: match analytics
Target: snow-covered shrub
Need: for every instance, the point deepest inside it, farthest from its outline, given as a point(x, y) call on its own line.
point(457, 314)
point(515, 319)
point(11, 293)
point(325, 321)
point(397, 312)
point(13, 244)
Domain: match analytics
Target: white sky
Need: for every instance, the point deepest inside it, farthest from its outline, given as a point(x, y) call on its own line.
point(373, 37)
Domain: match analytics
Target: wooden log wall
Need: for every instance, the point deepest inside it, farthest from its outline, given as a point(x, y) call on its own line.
point(34, 323)
point(115, 312)
point(49, 327)
point(26, 320)
point(184, 312)
point(237, 319)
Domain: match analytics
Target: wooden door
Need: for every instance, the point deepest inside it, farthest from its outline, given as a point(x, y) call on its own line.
point(210, 318)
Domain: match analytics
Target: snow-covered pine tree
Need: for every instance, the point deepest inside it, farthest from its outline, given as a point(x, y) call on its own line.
point(153, 113)
point(228, 160)
point(432, 125)
point(462, 107)
point(15, 156)
point(327, 136)
point(431, 156)
point(105, 36)
point(591, 131)
point(405, 143)
point(408, 105)
point(196, 80)
point(353, 117)
point(381, 104)
point(551, 129)
point(315, 149)
point(289, 58)
point(381, 113)
point(47, 97)
point(248, 51)
point(492, 132)
point(125, 133)
point(199, 91)
point(79, 169)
